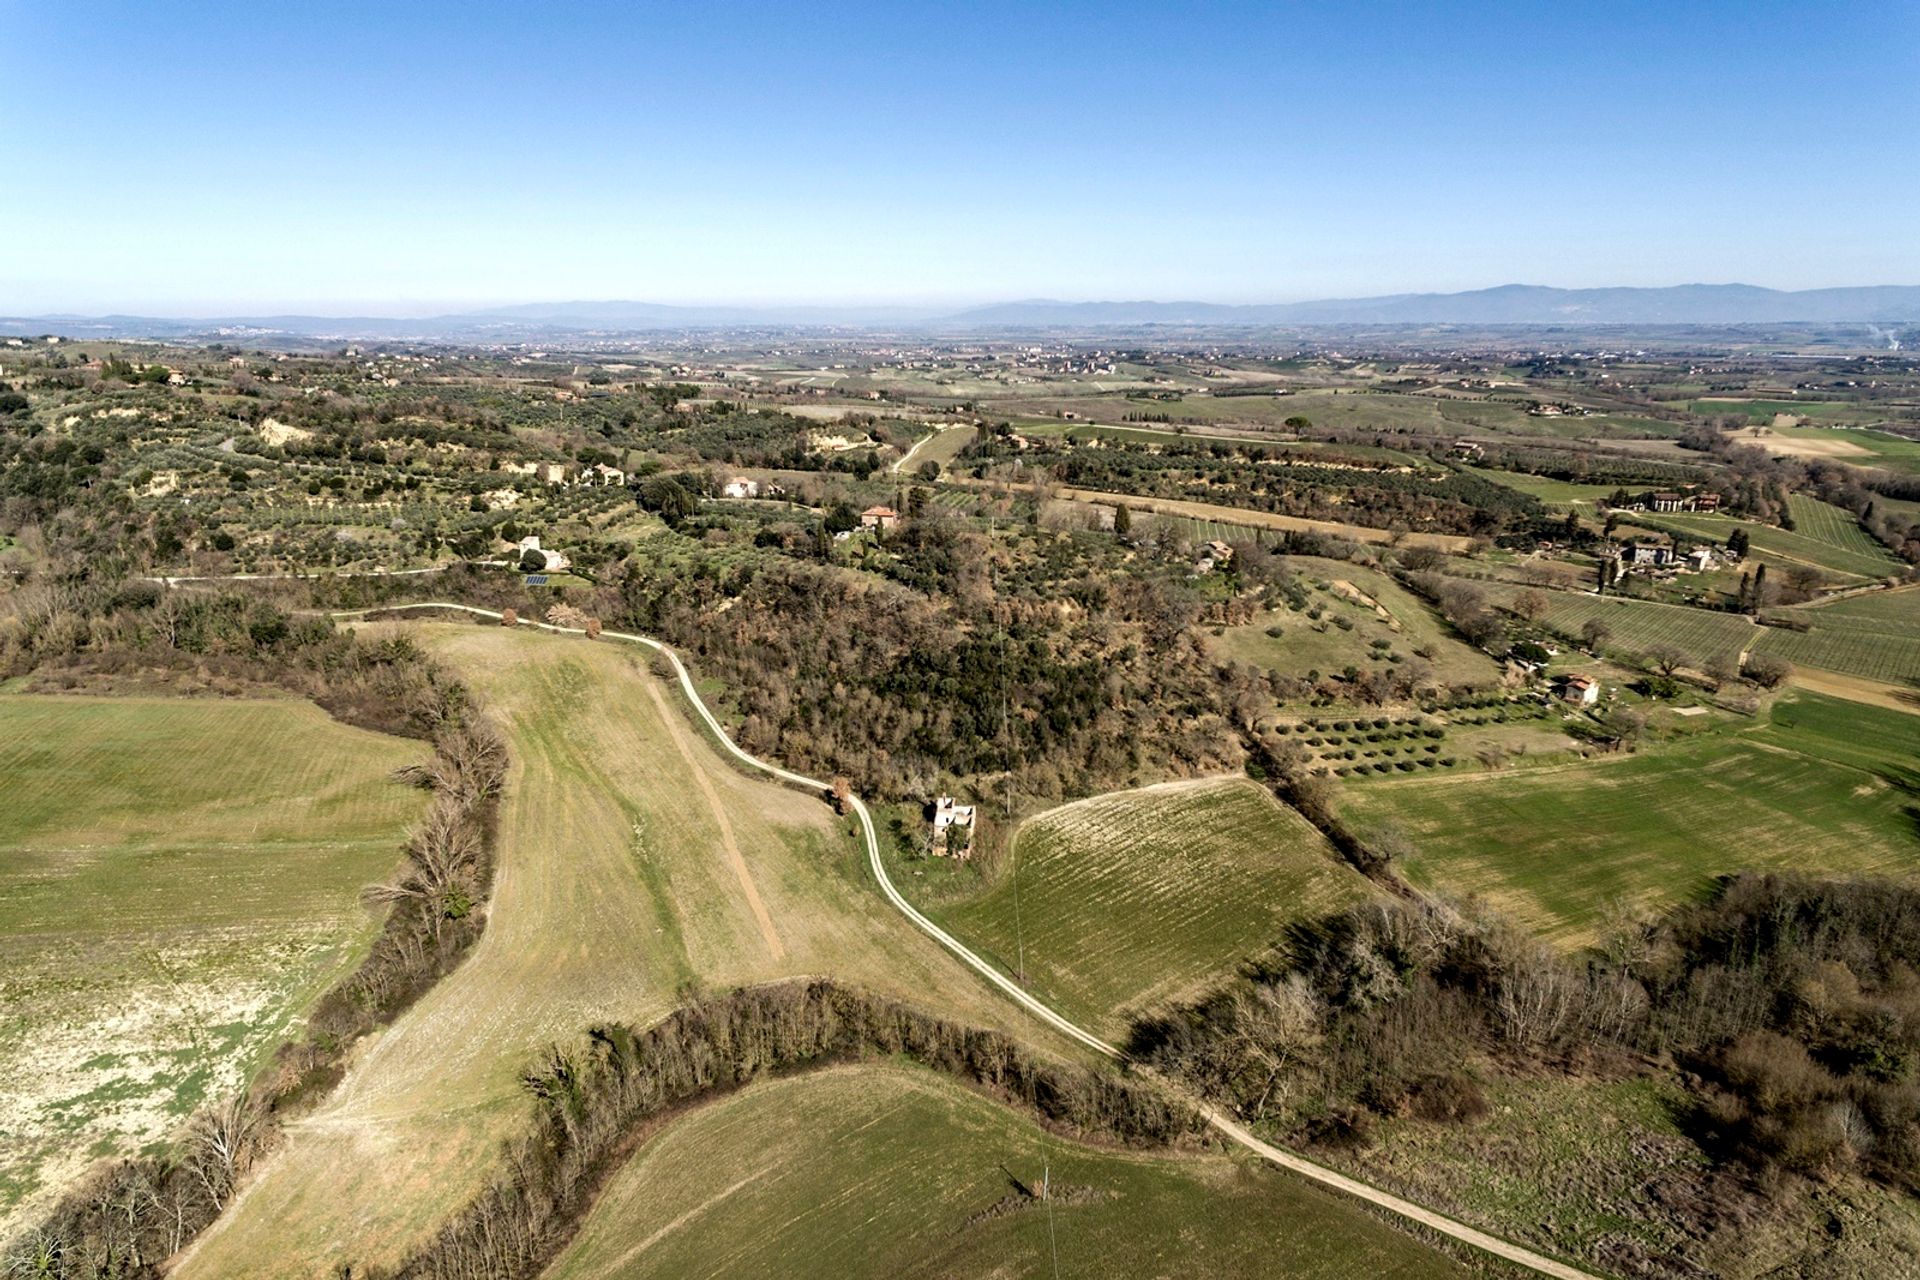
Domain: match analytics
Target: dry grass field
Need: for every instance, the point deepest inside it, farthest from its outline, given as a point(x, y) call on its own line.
point(178, 880)
point(618, 886)
point(1129, 900)
point(874, 1172)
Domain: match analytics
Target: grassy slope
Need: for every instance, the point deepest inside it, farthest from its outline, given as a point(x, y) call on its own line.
point(1300, 648)
point(1554, 847)
point(178, 879)
point(1131, 899)
point(613, 892)
point(876, 1172)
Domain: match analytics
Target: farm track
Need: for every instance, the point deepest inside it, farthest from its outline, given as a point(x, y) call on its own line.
point(1291, 1161)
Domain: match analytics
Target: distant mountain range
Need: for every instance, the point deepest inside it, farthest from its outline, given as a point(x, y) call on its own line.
point(1512, 304)
point(1516, 304)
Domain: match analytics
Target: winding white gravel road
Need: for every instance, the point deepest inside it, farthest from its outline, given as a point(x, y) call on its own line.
point(1228, 1127)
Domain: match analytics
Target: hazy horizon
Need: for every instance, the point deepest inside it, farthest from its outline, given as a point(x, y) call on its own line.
point(400, 310)
point(217, 159)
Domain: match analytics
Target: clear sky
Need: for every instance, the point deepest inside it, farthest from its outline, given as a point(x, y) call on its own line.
point(400, 157)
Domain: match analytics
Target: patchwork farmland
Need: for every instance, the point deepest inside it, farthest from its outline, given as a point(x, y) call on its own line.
point(179, 880)
point(1559, 848)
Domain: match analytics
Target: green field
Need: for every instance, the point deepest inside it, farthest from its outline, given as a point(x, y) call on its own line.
point(1638, 625)
point(1129, 900)
point(1556, 493)
point(1307, 644)
point(1767, 410)
point(1876, 636)
point(632, 858)
point(179, 879)
point(883, 1172)
point(1822, 786)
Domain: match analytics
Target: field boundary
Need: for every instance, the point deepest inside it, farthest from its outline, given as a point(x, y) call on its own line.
point(1288, 1160)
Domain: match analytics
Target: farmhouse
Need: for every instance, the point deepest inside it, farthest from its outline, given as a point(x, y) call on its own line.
point(1700, 559)
point(604, 474)
point(1581, 691)
point(741, 487)
point(1221, 552)
point(1650, 555)
point(1668, 502)
point(946, 816)
point(554, 561)
point(879, 518)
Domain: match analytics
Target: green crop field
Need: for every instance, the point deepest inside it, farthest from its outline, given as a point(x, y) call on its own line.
point(1556, 493)
point(1825, 523)
point(1129, 900)
point(1862, 447)
point(1876, 636)
point(179, 879)
point(1307, 644)
point(873, 1172)
point(1818, 788)
point(633, 861)
point(1635, 626)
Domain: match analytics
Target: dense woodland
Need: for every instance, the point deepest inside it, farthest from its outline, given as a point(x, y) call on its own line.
point(1789, 1007)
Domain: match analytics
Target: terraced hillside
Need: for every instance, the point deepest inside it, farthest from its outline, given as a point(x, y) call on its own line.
point(1129, 900)
point(888, 1172)
point(633, 861)
point(1823, 786)
point(179, 879)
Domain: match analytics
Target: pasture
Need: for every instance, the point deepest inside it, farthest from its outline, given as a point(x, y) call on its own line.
point(1555, 493)
point(633, 862)
point(179, 880)
point(1820, 786)
point(872, 1172)
point(1130, 900)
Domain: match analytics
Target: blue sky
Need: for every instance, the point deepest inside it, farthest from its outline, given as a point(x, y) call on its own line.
point(397, 158)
